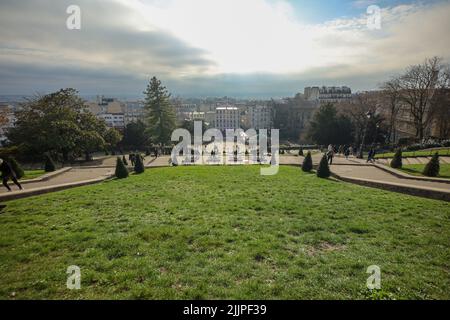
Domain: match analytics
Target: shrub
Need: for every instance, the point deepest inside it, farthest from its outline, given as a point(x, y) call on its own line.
point(324, 170)
point(138, 164)
point(300, 152)
point(307, 165)
point(121, 170)
point(124, 160)
point(16, 168)
point(396, 162)
point(49, 165)
point(432, 168)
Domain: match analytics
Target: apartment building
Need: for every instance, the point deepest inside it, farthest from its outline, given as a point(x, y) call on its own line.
point(327, 94)
point(227, 117)
point(259, 117)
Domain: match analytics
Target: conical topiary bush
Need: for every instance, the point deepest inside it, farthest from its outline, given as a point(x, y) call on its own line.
point(16, 168)
point(300, 152)
point(139, 165)
point(49, 165)
point(121, 170)
point(432, 168)
point(307, 165)
point(396, 162)
point(324, 170)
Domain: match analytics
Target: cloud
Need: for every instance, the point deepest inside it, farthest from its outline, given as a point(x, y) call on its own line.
point(209, 47)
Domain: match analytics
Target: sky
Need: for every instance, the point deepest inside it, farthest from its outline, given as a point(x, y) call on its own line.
point(200, 48)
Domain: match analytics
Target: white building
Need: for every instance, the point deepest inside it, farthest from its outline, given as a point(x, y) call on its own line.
point(259, 117)
point(227, 118)
point(110, 110)
point(328, 94)
point(113, 120)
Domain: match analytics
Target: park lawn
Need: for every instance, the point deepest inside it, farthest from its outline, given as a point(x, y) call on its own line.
point(420, 153)
point(224, 233)
point(32, 174)
point(417, 169)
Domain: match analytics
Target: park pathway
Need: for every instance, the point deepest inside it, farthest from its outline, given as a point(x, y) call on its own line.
point(351, 170)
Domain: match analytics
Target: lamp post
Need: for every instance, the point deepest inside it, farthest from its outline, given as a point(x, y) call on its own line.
point(369, 115)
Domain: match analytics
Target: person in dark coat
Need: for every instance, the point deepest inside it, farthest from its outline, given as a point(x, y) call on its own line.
point(8, 173)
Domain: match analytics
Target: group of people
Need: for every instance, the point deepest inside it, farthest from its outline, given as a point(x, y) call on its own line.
point(132, 157)
point(347, 151)
point(8, 173)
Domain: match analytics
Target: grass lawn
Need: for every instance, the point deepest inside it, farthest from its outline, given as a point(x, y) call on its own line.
point(32, 174)
point(224, 232)
point(417, 169)
point(420, 153)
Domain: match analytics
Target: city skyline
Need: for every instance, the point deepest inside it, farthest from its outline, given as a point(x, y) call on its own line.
point(251, 49)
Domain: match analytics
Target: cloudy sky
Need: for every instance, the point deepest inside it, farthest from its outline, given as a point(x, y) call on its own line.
point(245, 48)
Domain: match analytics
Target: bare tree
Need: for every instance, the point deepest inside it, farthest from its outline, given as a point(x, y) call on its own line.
point(417, 87)
point(441, 108)
point(358, 109)
point(391, 105)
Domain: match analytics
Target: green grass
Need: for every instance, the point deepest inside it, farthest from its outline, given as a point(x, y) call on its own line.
point(32, 174)
point(420, 153)
point(224, 232)
point(417, 169)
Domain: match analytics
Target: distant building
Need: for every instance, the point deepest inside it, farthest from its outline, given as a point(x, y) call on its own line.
point(8, 120)
point(327, 94)
point(110, 110)
point(227, 118)
point(113, 120)
point(260, 117)
point(134, 111)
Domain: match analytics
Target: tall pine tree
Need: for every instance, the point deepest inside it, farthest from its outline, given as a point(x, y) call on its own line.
point(161, 118)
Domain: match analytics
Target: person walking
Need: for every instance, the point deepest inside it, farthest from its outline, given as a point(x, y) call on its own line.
point(330, 154)
point(8, 173)
point(371, 156)
point(347, 152)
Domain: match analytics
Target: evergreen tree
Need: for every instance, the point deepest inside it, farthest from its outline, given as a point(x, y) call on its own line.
point(16, 168)
point(324, 170)
point(49, 165)
point(307, 165)
point(121, 170)
point(139, 165)
point(124, 160)
point(432, 168)
point(161, 119)
point(396, 162)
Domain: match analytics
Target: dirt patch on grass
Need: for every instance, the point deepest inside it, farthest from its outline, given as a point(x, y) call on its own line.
point(323, 247)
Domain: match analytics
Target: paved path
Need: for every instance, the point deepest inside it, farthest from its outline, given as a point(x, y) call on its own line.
point(373, 173)
point(74, 175)
point(348, 168)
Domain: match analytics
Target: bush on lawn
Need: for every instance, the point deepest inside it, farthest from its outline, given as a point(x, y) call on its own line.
point(124, 160)
point(121, 170)
point(324, 170)
point(396, 162)
point(307, 165)
point(49, 165)
point(16, 168)
point(300, 152)
point(139, 165)
point(432, 168)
